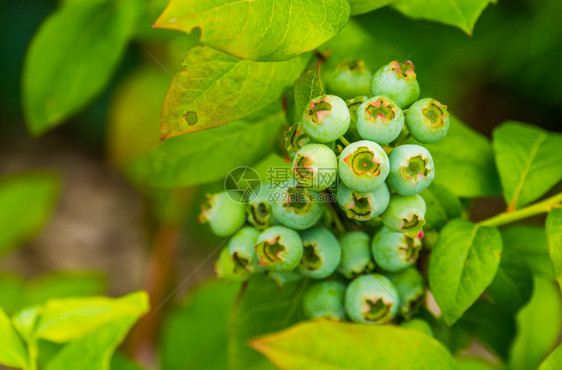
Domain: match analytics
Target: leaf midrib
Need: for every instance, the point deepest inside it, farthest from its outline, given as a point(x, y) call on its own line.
point(523, 178)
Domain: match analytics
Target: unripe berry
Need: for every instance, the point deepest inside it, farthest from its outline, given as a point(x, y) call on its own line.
point(326, 118)
point(315, 166)
point(353, 104)
point(363, 166)
point(379, 119)
point(371, 299)
point(349, 79)
point(281, 278)
point(406, 215)
point(409, 284)
point(223, 214)
point(259, 209)
point(427, 120)
point(363, 206)
point(241, 248)
point(279, 249)
point(394, 251)
point(297, 207)
point(295, 139)
point(398, 82)
point(411, 169)
point(356, 254)
point(227, 269)
point(321, 253)
point(324, 300)
point(419, 325)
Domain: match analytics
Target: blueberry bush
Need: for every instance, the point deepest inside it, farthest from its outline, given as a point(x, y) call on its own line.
point(356, 174)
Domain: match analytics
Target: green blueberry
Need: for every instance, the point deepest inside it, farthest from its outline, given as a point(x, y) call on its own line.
point(411, 169)
point(427, 120)
point(326, 118)
point(419, 325)
point(349, 79)
point(371, 299)
point(284, 277)
point(356, 254)
point(398, 82)
point(394, 251)
point(363, 166)
point(405, 214)
point(279, 249)
point(223, 214)
point(315, 166)
point(379, 119)
point(324, 300)
point(363, 206)
point(241, 248)
point(321, 253)
point(409, 284)
point(227, 269)
point(297, 207)
point(295, 138)
point(259, 209)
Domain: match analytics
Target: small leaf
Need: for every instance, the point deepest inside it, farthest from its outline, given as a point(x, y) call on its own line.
point(459, 13)
point(538, 327)
point(307, 87)
point(263, 308)
point(365, 6)
point(216, 88)
point(554, 361)
point(72, 57)
point(262, 30)
point(554, 234)
point(528, 160)
point(336, 345)
point(31, 194)
point(12, 351)
point(463, 263)
point(530, 243)
point(209, 155)
point(465, 162)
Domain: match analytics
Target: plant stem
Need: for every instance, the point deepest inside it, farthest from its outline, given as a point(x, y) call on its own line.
point(534, 209)
point(335, 218)
point(32, 351)
point(344, 141)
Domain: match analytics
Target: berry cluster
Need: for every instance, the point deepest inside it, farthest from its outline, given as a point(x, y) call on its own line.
point(352, 176)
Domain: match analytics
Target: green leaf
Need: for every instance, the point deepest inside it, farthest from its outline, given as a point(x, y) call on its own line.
point(216, 88)
point(262, 309)
point(465, 162)
point(530, 243)
point(491, 325)
point(307, 87)
point(538, 327)
point(24, 321)
point(337, 345)
point(554, 361)
point(209, 155)
point(262, 30)
point(463, 263)
point(121, 362)
point(195, 335)
point(365, 6)
point(475, 363)
point(442, 205)
point(12, 351)
point(32, 194)
point(528, 160)
point(459, 13)
point(513, 285)
point(72, 58)
point(554, 234)
point(67, 319)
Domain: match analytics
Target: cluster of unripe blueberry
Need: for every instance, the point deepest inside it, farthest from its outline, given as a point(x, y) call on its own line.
point(350, 152)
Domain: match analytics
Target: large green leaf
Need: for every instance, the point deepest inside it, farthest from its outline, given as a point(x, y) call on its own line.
point(195, 335)
point(264, 308)
point(261, 29)
point(365, 6)
point(335, 345)
point(72, 58)
point(538, 327)
point(463, 263)
point(529, 242)
point(528, 160)
point(464, 162)
point(459, 13)
point(26, 202)
point(209, 155)
point(12, 351)
point(216, 88)
point(554, 234)
point(513, 285)
point(554, 361)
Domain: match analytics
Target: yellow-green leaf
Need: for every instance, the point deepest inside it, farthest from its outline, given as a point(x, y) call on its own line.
point(554, 235)
point(12, 352)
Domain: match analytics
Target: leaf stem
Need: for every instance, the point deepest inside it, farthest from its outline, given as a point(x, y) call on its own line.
point(534, 209)
point(32, 351)
point(344, 141)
